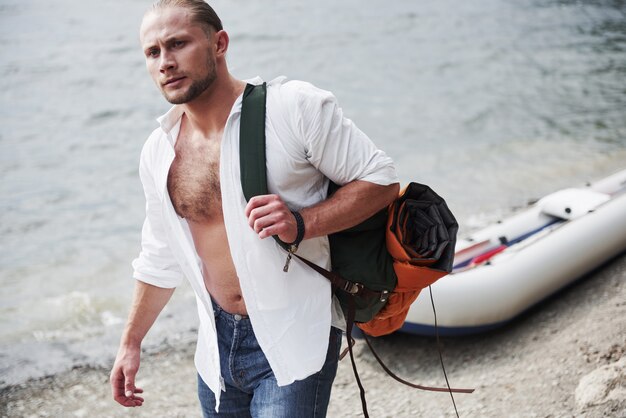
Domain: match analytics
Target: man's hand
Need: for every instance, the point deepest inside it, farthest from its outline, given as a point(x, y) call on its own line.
point(268, 215)
point(148, 301)
point(123, 377)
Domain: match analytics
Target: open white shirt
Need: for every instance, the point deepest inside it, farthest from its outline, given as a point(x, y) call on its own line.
point(308, 142)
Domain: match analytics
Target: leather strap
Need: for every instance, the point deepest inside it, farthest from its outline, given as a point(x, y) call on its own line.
point(405, 382)
point(349, 324)
point(347, 286)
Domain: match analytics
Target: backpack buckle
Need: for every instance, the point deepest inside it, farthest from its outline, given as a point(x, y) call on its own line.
point(352, 288)
point(384, 295)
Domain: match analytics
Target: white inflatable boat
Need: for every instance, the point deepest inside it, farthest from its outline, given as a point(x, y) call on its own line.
point(504, 269)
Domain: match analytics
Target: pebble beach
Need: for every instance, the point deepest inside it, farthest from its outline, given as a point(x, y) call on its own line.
point(563, 358)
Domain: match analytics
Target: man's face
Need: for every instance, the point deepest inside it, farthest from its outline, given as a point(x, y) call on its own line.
point(179, 55)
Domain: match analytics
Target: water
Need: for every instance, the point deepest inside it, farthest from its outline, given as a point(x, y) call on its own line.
point(493, 103)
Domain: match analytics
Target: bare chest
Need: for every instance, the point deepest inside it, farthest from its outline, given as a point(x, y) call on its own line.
point(193, 180)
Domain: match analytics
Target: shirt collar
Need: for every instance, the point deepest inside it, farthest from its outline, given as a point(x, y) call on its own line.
point(170, 123)
point(170, 119)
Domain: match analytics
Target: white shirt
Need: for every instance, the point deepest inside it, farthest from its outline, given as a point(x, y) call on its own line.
point(308, 142)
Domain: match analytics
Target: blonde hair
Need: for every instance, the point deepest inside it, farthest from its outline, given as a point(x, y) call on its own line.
point(201, 13)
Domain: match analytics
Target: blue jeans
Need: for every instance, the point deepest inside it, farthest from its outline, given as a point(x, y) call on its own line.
point(251, 389)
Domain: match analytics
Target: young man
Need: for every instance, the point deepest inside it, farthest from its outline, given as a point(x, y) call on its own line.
point(268, 340)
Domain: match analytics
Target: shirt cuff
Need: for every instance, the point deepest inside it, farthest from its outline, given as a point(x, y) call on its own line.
point(156, 277)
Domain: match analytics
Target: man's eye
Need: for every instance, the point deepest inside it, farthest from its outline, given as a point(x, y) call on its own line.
point(153, 53)
point(178, 44)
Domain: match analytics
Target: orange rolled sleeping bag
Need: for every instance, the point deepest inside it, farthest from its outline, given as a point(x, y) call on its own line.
point(420, 237)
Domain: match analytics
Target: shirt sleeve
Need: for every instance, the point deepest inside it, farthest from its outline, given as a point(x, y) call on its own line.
point(334, 144)
point(155, 265)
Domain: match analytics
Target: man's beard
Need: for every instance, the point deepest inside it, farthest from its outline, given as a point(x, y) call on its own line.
point(196, 88)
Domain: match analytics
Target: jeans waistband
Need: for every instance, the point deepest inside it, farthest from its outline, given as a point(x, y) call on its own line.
point(227, 315)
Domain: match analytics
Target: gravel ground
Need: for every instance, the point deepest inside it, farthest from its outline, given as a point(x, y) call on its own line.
point(564, 358)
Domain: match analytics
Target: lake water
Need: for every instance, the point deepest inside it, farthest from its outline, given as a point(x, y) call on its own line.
point(493, 103)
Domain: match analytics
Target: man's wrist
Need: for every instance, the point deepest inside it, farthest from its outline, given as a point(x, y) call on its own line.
point(130, 341)
point(299, 228)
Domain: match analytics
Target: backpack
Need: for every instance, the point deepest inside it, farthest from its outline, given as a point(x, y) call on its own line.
point(379, 266)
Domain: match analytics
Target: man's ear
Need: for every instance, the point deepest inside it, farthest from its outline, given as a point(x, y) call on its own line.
point(221, 42)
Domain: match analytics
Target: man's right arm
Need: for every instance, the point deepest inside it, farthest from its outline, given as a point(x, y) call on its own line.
point(148, 301)
point(157, 273)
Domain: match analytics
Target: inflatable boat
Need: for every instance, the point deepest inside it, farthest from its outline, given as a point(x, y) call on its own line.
point(504, 269)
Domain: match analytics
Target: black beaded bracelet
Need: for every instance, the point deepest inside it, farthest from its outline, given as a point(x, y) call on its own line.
point(300, 226)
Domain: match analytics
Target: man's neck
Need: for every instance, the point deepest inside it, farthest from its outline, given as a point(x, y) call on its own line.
point(208, 113)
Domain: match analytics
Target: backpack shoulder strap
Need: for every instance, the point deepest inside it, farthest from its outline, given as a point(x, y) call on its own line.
point(252, 164)
point(252, 141)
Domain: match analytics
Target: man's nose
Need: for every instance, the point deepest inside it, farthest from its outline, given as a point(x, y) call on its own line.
point(167, 62)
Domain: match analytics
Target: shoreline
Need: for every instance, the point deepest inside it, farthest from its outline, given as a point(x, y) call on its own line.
point(533, 366)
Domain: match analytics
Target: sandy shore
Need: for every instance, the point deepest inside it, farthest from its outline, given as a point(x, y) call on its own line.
point(561, 359)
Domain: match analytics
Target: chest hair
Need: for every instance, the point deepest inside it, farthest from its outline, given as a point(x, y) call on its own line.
point(193, 181)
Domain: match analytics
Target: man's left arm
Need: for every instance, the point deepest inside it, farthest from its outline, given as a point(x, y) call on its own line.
point(343, 153)
point(350, 205)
